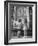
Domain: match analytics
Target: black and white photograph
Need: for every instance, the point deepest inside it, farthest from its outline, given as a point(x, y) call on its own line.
point(20, 22)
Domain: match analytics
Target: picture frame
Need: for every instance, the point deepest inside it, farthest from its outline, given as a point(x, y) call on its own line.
point(8, 12)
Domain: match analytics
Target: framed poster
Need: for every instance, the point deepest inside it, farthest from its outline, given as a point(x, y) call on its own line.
point(20, 22)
